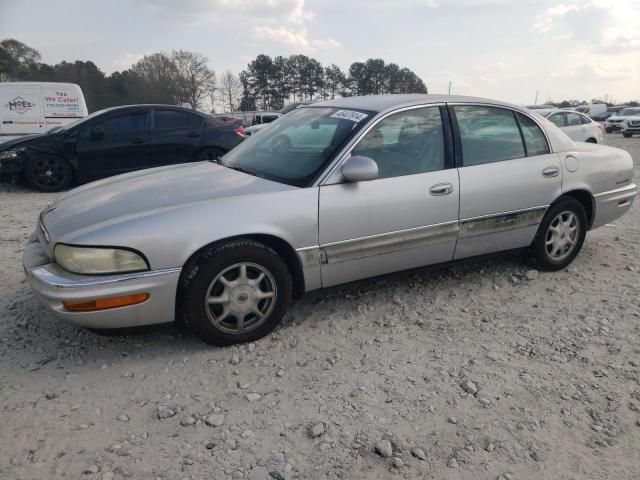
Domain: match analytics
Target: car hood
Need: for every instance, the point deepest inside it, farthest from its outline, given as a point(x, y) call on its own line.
point(147, 192)
point(24, 141)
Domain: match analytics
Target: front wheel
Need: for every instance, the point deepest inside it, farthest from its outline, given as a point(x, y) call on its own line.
point(627, 134)
point(236, 292)
point(560, 235)
point(48, 173)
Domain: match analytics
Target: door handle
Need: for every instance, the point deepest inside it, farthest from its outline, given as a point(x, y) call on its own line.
point(137, 140)
point(193, 134)
point(441, 189)
point(550, 172)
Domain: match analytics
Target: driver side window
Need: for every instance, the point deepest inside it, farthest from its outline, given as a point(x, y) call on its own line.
point(405, 143)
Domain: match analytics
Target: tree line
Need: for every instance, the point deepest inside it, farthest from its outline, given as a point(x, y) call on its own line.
point(184, 78)
point(269, 83)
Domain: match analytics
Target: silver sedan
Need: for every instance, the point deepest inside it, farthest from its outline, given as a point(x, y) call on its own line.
point(334, 192)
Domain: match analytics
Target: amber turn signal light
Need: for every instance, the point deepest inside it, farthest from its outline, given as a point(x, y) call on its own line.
point(105, 303)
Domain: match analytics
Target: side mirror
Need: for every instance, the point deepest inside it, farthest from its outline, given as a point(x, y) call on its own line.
point(359, 169)
point(97, 132)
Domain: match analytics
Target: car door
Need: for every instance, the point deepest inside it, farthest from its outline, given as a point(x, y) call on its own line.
point(407, 217)
point(508, 178)
point(114, 143)
point(575, 128)
point(176, 136)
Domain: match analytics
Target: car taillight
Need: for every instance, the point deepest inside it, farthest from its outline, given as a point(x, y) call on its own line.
point(240, 131)
point(600, 127)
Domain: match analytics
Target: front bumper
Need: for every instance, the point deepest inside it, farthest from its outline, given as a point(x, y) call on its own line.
point(614, 127)
point(53, 285)
point(12, 167)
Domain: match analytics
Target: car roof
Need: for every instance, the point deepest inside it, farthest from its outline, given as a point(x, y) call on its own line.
point(153, 105)
point(381, 103)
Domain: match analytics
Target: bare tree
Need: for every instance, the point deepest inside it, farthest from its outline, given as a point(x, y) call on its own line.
point(159, 76)
point(230, 91)
point(195, 79)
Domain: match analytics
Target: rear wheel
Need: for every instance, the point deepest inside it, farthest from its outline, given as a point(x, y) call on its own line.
point(591, 140)
point(236, 292)
point(210, 153)
point(48, 173)
point(560, 235)
point(627, 134)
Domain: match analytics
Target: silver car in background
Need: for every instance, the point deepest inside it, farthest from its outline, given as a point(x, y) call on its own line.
point(333, 192)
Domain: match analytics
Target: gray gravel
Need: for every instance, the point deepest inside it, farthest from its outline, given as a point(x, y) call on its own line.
point(553, 356)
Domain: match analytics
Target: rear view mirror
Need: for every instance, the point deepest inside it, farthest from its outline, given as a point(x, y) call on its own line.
point(97, 132)
point(359, 169)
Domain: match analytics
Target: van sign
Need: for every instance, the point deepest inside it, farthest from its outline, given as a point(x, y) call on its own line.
point(19, 105)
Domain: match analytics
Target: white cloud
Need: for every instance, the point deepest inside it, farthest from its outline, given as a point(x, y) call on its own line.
point(127, 60)
point(283, 35)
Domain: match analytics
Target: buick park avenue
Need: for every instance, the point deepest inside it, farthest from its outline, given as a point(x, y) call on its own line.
point(333, 192)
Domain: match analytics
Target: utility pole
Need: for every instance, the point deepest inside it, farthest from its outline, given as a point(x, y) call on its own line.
point(449, 87)
point(536, 101)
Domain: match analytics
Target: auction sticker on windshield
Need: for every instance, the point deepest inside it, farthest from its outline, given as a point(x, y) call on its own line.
point(350, 115)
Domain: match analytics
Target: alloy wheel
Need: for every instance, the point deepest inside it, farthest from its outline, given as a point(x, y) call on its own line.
point(562, 236)
point(241, 297)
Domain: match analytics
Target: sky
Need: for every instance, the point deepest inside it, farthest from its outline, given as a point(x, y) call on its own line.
point(502, 49)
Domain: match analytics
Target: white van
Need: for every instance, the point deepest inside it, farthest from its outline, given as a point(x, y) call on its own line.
point(28, 108)
point(591, 109)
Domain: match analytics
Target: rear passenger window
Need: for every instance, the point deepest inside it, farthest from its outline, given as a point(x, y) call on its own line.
point(584, 120)
point(175, 119)
point(488, 134)
point(405, 143)
point(573, 119)
point(534, 139)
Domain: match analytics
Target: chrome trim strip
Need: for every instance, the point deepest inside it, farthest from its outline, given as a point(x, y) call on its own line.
point(501, 222)
point(50, 278)
point(386, 243)
point(630, 187)
point(509, 212)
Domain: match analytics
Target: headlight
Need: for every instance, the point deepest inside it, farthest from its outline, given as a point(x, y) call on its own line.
point(8, 154)
point(97, 260)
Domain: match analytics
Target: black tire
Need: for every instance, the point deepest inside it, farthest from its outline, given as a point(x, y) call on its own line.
point(627, 134)
point(539, 253)
point(209, 153)
point(591, 140)
point(200, 281)
point(48, 173)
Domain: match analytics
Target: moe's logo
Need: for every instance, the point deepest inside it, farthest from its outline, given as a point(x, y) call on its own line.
point(19, 105)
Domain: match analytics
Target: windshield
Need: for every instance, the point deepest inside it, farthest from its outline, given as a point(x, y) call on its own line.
point(296, 148)
point(627, 112)
point(77, 122)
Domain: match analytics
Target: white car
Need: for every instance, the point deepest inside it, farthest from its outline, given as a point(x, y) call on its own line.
point(615, 122)
point(577, 126)
point(631, 125)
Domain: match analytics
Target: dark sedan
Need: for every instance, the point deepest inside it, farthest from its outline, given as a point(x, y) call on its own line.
point(116, 140)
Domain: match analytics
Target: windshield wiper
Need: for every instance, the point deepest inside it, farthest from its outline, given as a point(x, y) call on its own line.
point(240, 169)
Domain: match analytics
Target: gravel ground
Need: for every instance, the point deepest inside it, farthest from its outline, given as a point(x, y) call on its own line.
point(468, 372)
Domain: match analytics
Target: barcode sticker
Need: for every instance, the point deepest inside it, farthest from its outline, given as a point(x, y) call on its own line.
point(350, 115)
